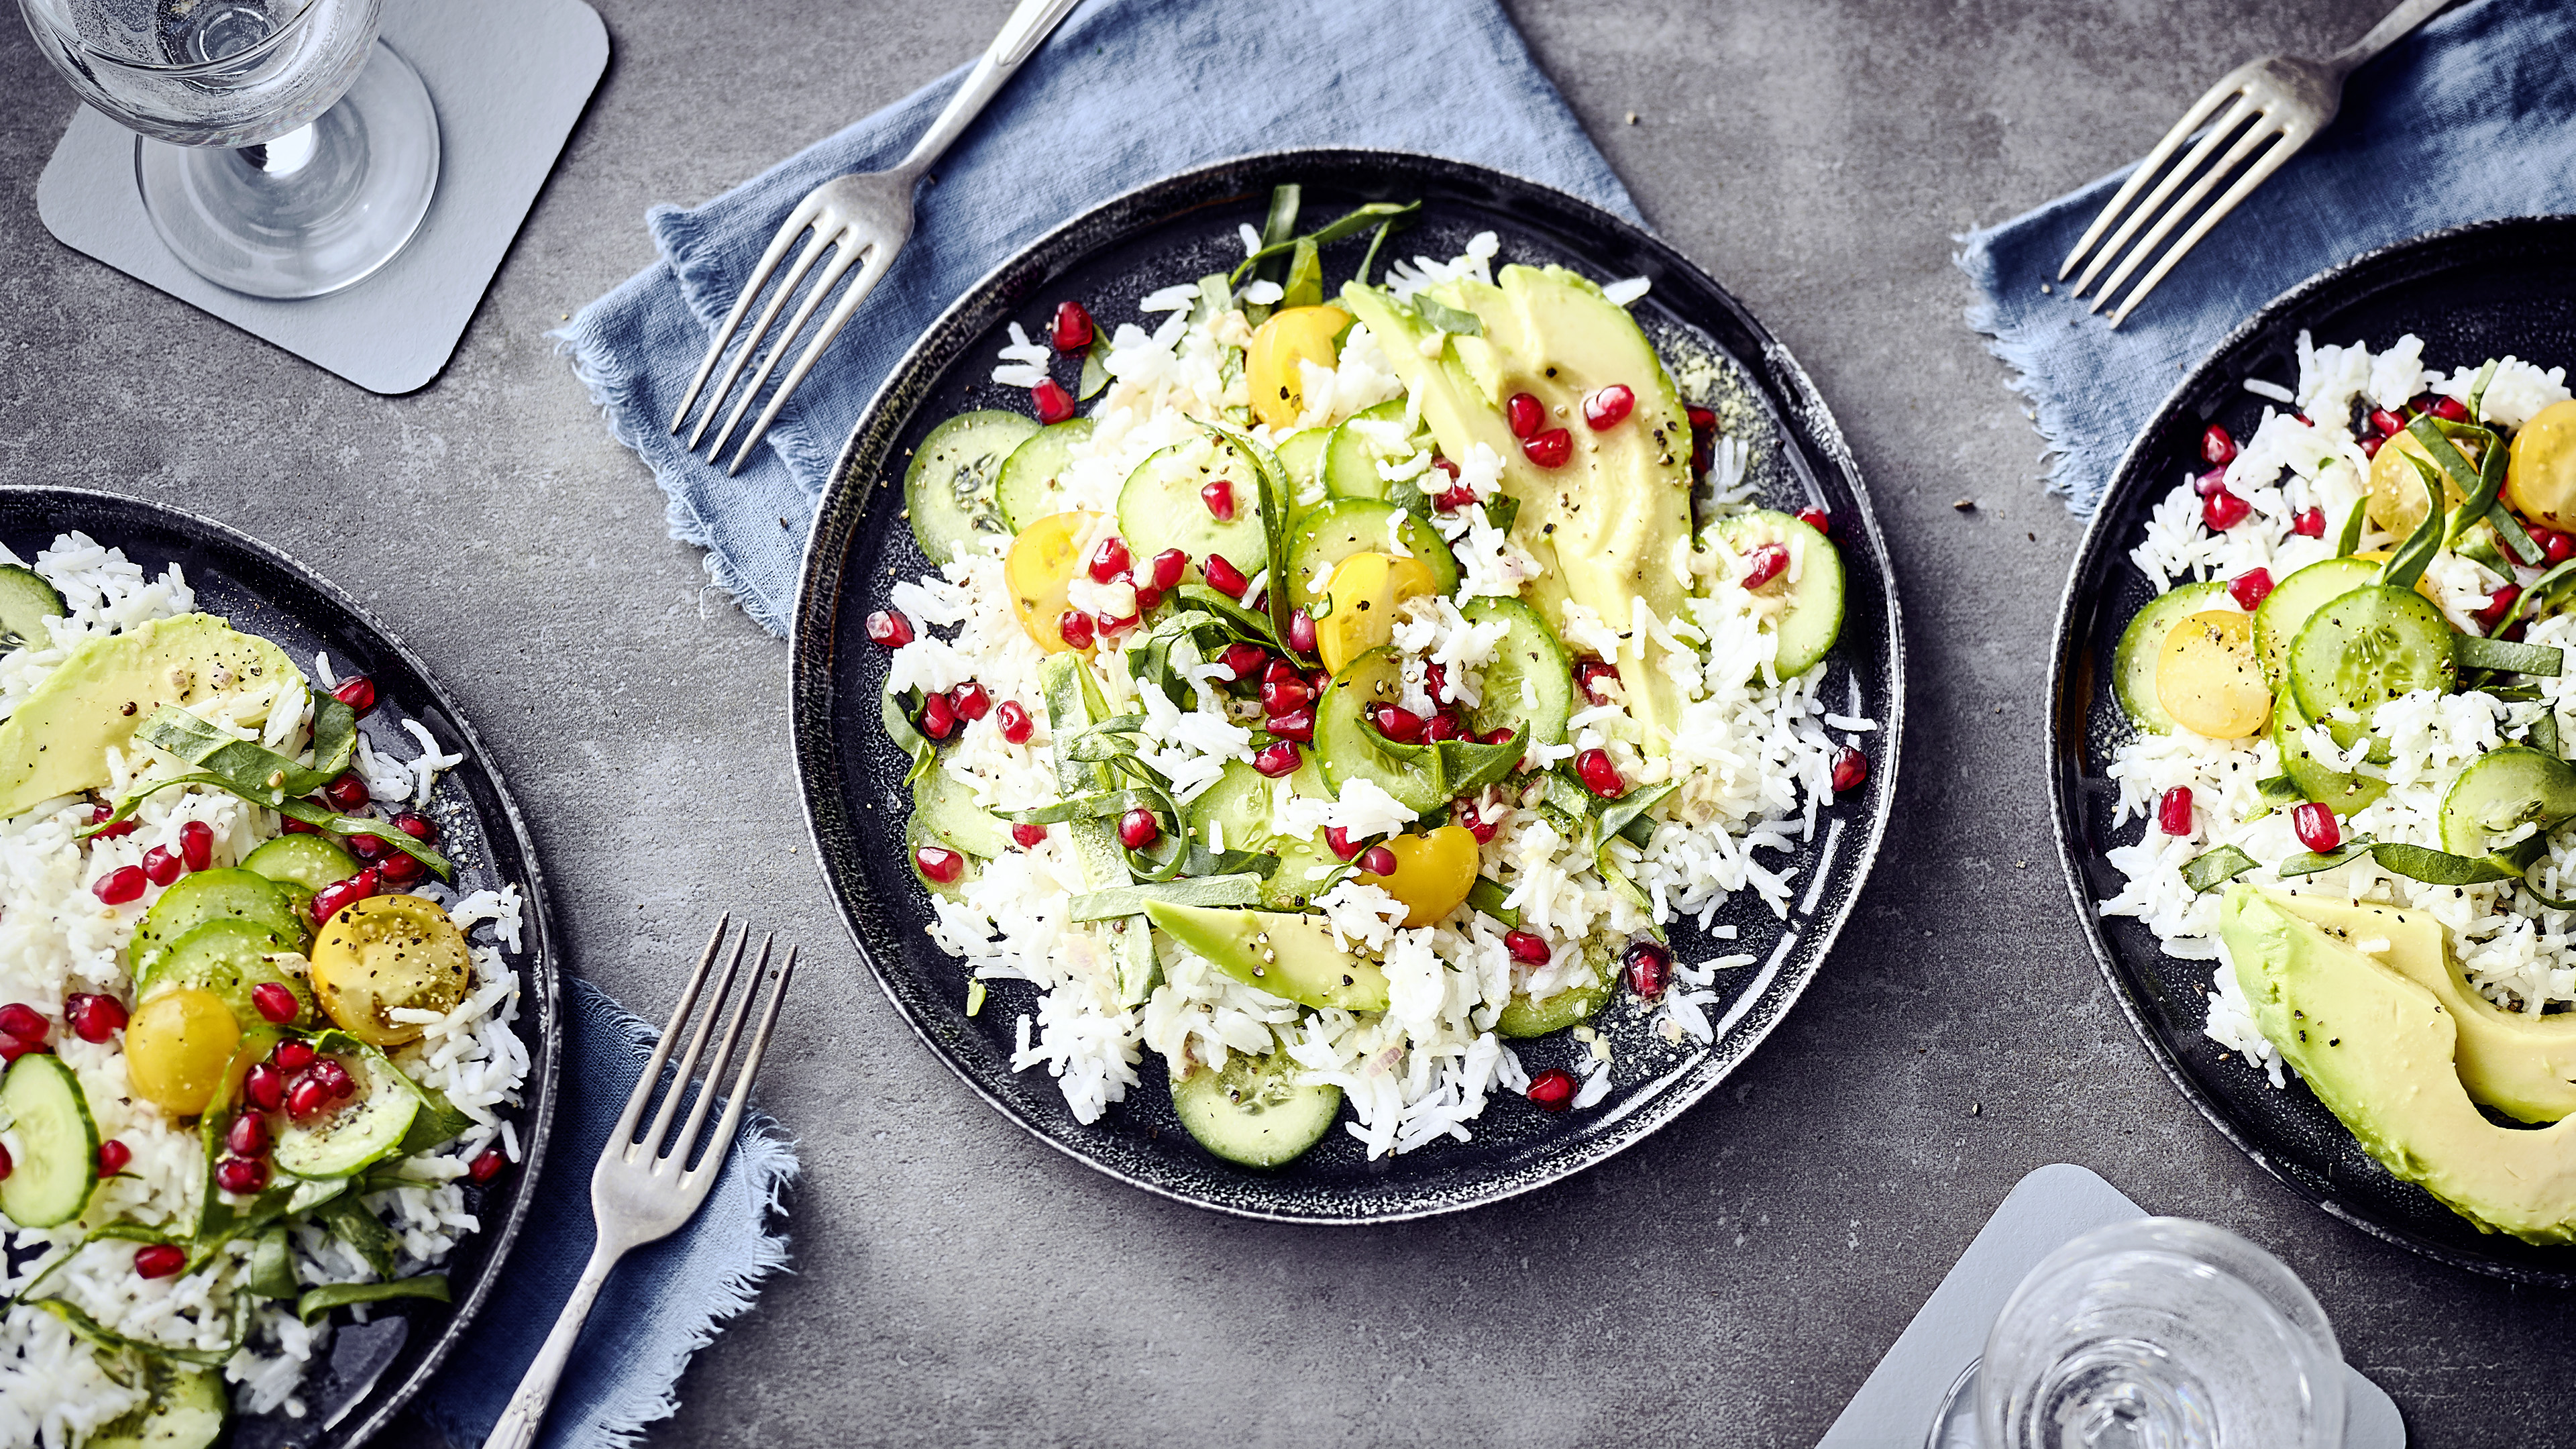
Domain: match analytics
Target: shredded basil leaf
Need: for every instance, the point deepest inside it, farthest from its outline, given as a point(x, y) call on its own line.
point(2311, 861)
point(2348, 542)
point(2472, 652)
point(2478, 392)
point(2439, 867)
point(1210, 890)
point(1095, 367)
point(2280, 790)
point(2407, 564)
point(2212, 869)
point(317, 1302)
point(1487, 896)
point(1445, 318)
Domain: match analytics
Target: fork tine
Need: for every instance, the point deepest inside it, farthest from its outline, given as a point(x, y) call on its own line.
point(2291, 143)
point(651, 1146)
point(846, 257)
point(643, 1093)
point(732, 1119)
point(879, 256)
point(760, 330)
point(2201, 110)
point(687, 1141)
point(2154, 207)
point(2264, 129)
point(796, 223)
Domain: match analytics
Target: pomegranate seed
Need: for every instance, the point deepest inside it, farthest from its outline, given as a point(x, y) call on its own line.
point(2209, 482)
point(357, 692)
point(2250, 588)
point(1053, 403)
point(1443, 727)
point(1109, 560)
point(940, 863)
point(889, 628)
point(1444, 465)
point(1599, 776)
point(2389, 424)
point(275, 1003)
point(2450, 410)
point(2217, 448)
point(159, 1260)
point(12, 1048)
point(196, 845)
point(24, 1022)
point(1138, 828)
point(1219, 498)
point(1702, 420)
point(1028, 837)
point(1166, 568)
point(1224, 577)
point(292, 1056)
point(1500, 735)
point(289, 825)
point(1527, 947)
point(265, 1085)
point(112, 1157)
point(2499, 604)
point(118, 886)
point(1525, 414)
point(1245, 660)
point(1764, 564)
point(1550, 449)
point(1377, 860)
point(1551, 1090)
point(1280, 671)
point(1649, 968)
point(7, 1165)
point(241, 1176)
point(400, 870)
point(1071, 331)
point(248, 1136)
point(938, 716)
point(98, 814)
point(335, 1078)
point(307, 1098)
point(161, 867)
point(346, 793)
point(970, 701)
point(1279, 758)
point(1339, 841)
point(1480, 827)
point(2173, 811)
point(2371, 443)
point(2316, 826)
point(1588, 675)
point(1851, 767)
point(1278, 696)
point(1609, 407)
point(1451, 500)
point(332, 899)
point(1301, 631)
point(2556, 547)
point(1398, 723)
point(487, 1165)
point(1013, 717)
point(1147, 597)
point(2311, 524)
point(1295, 724)
point(368, 848)
point(98, 1017)
point(1319, 679)
point(1110, 628)
point(1817, 519)
point(2223, 510)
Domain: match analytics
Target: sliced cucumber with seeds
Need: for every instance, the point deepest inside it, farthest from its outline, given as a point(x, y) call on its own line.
point(1301, 457)
point(1347, 743)
point(363, 1131)
point(2294, 600)
point(2502, 790)
point(1163, 506)
point(231, 959)
point(57, 1163)
point(1811, 588)
point(1351, 458)
point(1253, 1112)
point(1237, 806)
point(1529, 686)
point(215, 895)
point(309, 861)
point(26, 602)
point(948, 489)
point(186, 1410)
point(2133, 662)
point(2366, 647)
point(2341, 792)
point(1333, 531)
point(1028, 489)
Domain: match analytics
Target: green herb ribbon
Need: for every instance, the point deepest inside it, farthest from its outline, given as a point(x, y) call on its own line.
point(319, 1301)
point(2214, 868)
point(1212, 890)
point(2506, 656)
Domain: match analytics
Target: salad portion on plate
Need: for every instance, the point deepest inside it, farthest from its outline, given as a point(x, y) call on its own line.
point(256, 1045)
point(2350, 726)
point(1367, 679)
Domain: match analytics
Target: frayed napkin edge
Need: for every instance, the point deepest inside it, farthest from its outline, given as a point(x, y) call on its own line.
point(2047, 413)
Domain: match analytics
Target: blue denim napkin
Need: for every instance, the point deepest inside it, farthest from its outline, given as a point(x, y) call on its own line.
point(2471, 118)
point(664, 1301)
point(1125, 92)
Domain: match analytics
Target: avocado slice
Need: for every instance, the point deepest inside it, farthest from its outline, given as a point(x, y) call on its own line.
point(1612, 525)
point(57, 742)
point(2379, 1049)
point(1285, 955)
point(2523, 1066)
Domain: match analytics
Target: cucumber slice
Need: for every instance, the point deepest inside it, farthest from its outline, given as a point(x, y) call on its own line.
point(1027, 490)
point(2333, 788)
point(1160, 507)
point(57, 1164)
point(186, 1410)
point(2291, 603)
point(214, 895)
point(309, 861)
point(26, 602)
point(1571, 1006)
point(2133, 662)
point(1252, 1111)
point(1529, 686)
point(2367, 647)
point(945, 806)
point(1299, 879)
point(1813, 619)
point(228, 958)
point(1301, 457)
point(1352, 455)
point(1332, 532)
point(1346, 744)
point(365, 1130)
point(1239, 804)
point(2502, 790)
point(915, 836)
point(948, 489)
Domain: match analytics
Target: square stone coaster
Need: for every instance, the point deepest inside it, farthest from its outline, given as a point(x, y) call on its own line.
point(509, 79)
point(2045, 1211)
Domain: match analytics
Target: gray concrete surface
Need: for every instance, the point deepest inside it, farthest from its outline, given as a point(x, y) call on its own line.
point(1729, 1283)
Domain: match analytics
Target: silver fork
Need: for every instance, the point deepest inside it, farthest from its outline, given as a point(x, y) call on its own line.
point(2279, 99)
point(864, 218)
point(638, 1193)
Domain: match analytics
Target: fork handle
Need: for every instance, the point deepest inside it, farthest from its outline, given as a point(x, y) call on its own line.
point(2386, 33)
point(1029, 24)
point(526, 1413)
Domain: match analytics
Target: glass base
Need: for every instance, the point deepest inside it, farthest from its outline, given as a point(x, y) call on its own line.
point(1954, 1426)
point(312, 211)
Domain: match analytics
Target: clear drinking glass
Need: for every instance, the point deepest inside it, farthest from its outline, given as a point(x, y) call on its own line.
point(2161, 1333)
point(281, 149)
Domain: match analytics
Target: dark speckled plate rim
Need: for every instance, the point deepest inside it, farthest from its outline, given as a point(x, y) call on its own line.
point(382, 1402)
point(2068, 717)
point(1798, 407)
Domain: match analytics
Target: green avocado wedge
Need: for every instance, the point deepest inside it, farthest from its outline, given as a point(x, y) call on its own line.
point(1291, 956)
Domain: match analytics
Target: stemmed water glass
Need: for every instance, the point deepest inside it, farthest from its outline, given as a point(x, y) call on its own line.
point(281, 149)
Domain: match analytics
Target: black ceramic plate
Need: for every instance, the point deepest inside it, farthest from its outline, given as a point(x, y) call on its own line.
point(370, 1370)
point(2472, 293)
point(1177, 230)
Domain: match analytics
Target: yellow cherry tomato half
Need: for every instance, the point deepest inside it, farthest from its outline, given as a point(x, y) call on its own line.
point(2209, 679)
point(1432, 872)
point(1039, 570)
point(2540, 475)
point(1367, 589)
point(388, 952)
point(2396, 501)
point(176, 1048)
point(1271, 362)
